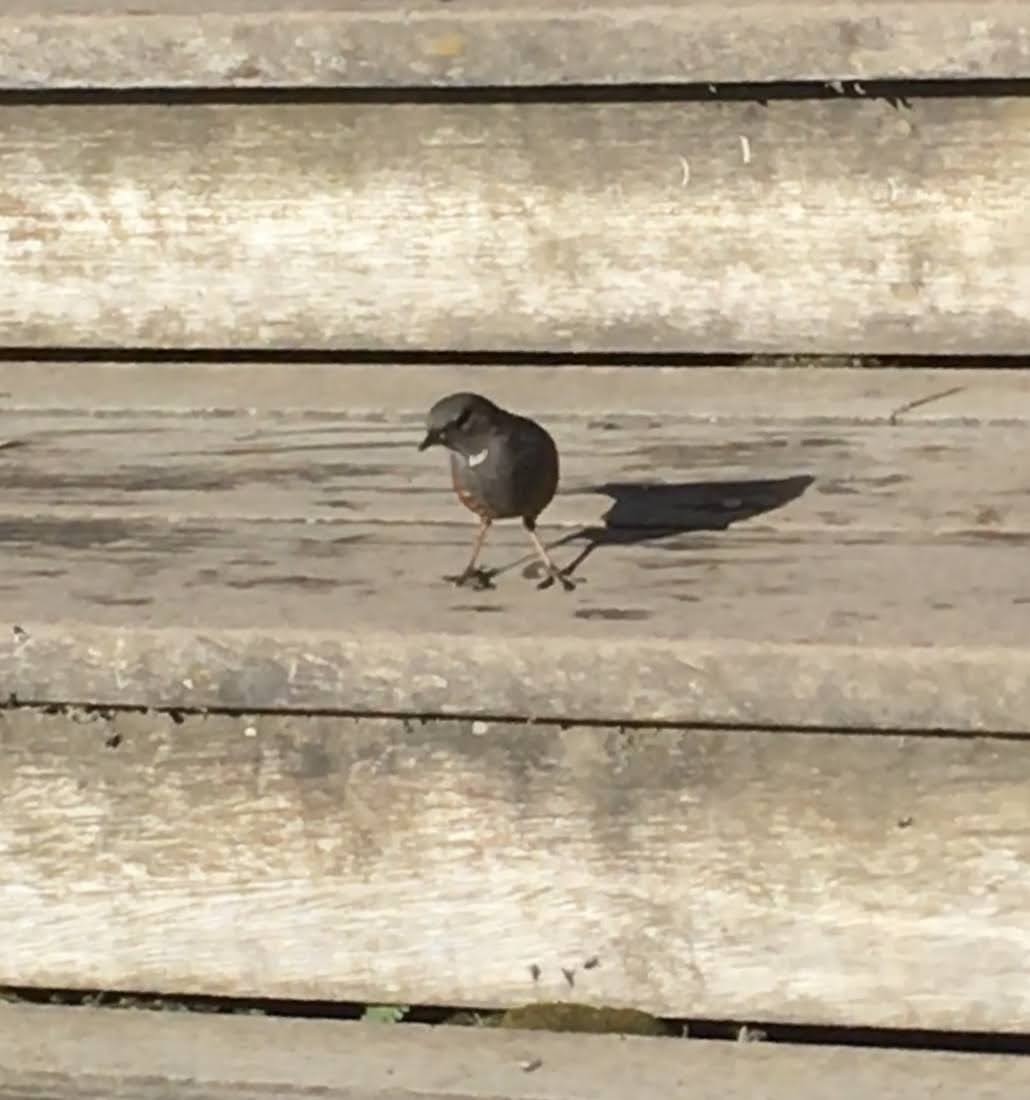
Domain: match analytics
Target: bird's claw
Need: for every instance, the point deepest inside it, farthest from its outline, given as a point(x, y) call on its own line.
point(476, 578)
point(561, 578)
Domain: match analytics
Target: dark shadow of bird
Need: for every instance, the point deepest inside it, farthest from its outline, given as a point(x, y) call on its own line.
point(647, 511)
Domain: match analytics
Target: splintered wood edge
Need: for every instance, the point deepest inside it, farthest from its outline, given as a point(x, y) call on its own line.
point(905, 395)
point(640, 680)
point(69, 1052)
point(70, 43)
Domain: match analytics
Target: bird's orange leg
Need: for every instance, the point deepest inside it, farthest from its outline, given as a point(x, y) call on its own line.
point(471, 573)
point(553, 572)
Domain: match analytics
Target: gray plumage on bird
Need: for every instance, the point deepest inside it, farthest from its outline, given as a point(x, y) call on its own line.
point(503, 466)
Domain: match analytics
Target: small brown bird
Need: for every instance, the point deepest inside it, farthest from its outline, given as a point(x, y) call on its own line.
point(503, 466)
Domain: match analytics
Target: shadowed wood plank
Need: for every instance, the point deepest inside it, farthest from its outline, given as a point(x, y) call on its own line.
point(860, 880)
point(840, 226)
point(644, 470)
point(78, 1053)
point(773, 628)
point(369, 43)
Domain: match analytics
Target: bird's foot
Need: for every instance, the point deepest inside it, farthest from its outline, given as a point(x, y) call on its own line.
point(552, 574)
point(562, 578)
point(474, 578)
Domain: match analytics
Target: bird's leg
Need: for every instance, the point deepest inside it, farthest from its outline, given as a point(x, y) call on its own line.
point(471, 573)
point(553, 572)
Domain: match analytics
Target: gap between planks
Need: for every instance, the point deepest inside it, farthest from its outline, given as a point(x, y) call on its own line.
point(580, 671)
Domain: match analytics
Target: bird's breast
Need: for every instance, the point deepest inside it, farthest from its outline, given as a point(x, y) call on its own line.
point(471, 489)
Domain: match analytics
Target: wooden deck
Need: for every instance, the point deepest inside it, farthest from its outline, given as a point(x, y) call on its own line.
point(183, 540)
point(513, 43)
point(781, 877)
point(813, 226)
point(761, 270)
point(85, 1054)
point(755, 560)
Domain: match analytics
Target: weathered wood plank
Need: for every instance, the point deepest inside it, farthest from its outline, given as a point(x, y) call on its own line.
point(820, 605)
point(859, 880)
point(845, 226)
point(72, 1052)
point(781, 395)
point(644, 470)
point(371, 43)
point(769, 628)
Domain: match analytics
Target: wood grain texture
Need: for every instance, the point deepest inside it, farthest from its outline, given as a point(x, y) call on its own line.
point(58, 1053)
point(774, 629)
point(809, 571)
point(803, 394)
point(861, 880)
point(848, 226)
point(643, 471)
point(375, 43)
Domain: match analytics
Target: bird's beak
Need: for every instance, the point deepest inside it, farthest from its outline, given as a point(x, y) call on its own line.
point(431, 440)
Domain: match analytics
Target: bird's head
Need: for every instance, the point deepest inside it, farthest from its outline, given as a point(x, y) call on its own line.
point(460, 422)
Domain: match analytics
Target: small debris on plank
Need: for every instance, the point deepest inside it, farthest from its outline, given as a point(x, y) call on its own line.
point(747, 1034)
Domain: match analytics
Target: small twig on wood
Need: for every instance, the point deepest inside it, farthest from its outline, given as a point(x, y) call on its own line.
point(920, 401)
